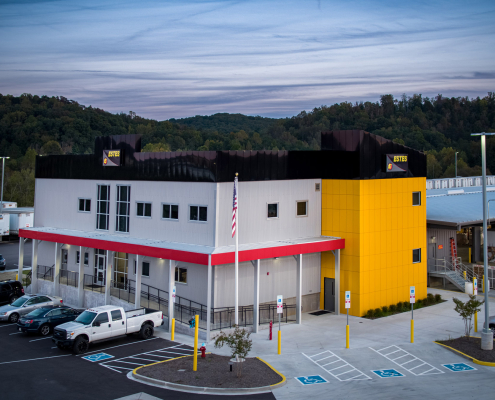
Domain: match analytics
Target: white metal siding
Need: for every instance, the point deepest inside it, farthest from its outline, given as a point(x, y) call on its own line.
point(442, 238)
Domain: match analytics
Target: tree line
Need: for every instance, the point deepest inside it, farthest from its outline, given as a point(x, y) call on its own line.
point(440, 126)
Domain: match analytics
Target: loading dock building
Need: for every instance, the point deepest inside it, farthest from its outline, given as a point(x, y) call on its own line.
point(312, 224)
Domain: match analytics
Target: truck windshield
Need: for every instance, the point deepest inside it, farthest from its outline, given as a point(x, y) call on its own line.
point(86, 317)
point(20, 301)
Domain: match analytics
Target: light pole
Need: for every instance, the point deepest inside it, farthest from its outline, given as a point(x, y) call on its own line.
point(456, 163)
point(486, 334)
point(3, 173)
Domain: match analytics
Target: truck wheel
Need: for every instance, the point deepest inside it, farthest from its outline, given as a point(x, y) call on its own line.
point(44, 329)
point(14, 318)
point(80, 345)
point(146, 331)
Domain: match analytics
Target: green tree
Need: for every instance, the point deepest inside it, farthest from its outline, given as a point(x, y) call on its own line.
point(466, 310)
point(50, 148)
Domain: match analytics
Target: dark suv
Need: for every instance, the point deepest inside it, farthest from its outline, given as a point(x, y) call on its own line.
point(2, 263)
point(10, 291)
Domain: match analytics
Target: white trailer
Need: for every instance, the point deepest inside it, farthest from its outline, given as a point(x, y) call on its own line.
point(9, 204)
point(20, 221)
point(4, 224)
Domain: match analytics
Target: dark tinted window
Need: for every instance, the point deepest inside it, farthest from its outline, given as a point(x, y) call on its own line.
point(102, 318)
point(43, 299)
point(146, 268)
point(54, 313)
point(193, 213)
point(273, 210)
point(67, 311)
point(202, 213)
point(116, 315)
point(416, 255)
point(5, 287)
point(416, 198)
point(302, 208)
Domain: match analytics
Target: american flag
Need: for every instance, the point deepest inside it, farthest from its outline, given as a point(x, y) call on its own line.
point(234, 206)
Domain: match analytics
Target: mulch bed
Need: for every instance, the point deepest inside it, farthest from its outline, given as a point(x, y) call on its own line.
point(470, 347)
point(213, 371)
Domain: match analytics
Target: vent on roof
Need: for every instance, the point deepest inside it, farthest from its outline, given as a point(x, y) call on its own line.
point(458, 191)
point(317, 187)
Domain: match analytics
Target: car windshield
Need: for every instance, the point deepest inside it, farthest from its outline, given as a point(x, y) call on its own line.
point(38, 312)
point(20, 301)
point(86, 317)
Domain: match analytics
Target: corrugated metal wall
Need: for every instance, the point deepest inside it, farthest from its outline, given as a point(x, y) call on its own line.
point(442, 238)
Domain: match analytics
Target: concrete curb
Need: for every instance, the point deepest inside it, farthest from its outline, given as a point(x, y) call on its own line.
point(485, 363)
point(206, 390)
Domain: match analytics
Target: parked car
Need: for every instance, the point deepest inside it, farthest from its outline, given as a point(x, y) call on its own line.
point(43, 320)
point(2, 263)
point(104, 323)
point(25, 304)
point(10, 291)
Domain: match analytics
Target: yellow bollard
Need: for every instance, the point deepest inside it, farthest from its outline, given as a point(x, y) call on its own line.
point(412, 331)
point(172, 334)
point(279, 342)
point(476, 322)
point(470, 258)
point(464, 273)
point(16, 277)
point(196, 331)
point(347, 336)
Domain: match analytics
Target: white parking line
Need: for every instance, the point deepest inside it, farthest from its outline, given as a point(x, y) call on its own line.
point(3, 326)
point(15, 333)
point(413, 361)
point(146, 359)
point(116, 370)
point(34, 359)
point(356, 375)
point(35, 340)
point(108, 348)
point(127, 362)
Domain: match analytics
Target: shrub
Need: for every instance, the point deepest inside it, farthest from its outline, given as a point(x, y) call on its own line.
point(430, 297)
point(438, 298)
point(393, 308)
point(399, 306)
point(466, 310)
point(239, 343)
point(378, 312)
point(384, 309)
point(426, 301)
point(370, 313)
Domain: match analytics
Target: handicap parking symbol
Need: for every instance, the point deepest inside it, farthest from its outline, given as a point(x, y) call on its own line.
point(97, 357)
point(311, 380)
point(387, 373)
point(458, 367)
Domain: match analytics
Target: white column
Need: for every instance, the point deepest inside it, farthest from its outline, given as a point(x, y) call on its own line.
point(137, 296)
point(299, 289)
point(171, 283)
point(208, 301)
point(80, 283)
point(56, 272)
point(34, 267)
point(337, 281)
point(256, 300)
point(20, 265)
point(109, 277)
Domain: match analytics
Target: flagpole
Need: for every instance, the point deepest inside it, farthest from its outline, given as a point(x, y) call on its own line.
point(236, 277)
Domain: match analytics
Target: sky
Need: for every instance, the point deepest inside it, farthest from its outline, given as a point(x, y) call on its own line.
point(175, 59)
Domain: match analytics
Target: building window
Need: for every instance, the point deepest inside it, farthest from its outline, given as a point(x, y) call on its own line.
point(198, 213)
point(103, 207)
point(302, 208)
point(170, 211)
point(86, 258)
point(180, 275)
point(143, 209)
point(416, 256)
point(416, 198)
point(123, 208)
point(272, 210)
point(85, 205)
point(146, 268)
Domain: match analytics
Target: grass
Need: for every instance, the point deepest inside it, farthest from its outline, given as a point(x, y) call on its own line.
point(402, 307)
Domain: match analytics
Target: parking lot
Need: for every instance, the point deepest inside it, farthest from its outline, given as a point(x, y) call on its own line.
point(33, 367)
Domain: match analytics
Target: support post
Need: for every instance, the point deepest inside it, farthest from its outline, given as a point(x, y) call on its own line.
point(337, 281)
point(56, 273)
point(196, 331)
point(412, 323)
point(208, 301)
point(137, 294)
point(171, 283)
point(80, 283)
point(20, 265)
point(256, 300)
point(299, 289)
point(34, 267)
point(109, 277)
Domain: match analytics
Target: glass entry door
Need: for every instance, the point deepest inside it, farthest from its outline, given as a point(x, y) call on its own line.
point(65, 255)
point(100, 274)
point(120, 270)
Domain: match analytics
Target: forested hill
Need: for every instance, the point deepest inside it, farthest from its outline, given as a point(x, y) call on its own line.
point(31, 124)
point(226, 123)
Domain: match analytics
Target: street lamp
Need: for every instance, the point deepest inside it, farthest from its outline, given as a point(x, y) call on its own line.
point(486, 334)
point(3, 173)
point(456, 163)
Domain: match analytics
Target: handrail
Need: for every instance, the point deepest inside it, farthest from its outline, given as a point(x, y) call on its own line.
point(458, 269)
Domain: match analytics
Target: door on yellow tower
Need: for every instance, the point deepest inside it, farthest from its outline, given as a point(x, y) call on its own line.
point(329, 299)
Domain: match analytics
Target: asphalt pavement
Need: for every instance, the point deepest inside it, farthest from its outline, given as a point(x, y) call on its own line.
point(10, 251)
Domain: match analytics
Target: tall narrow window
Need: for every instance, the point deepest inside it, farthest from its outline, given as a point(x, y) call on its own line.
point(416, 256)
point(123, 208)
point(103, 207)
point(416, 198)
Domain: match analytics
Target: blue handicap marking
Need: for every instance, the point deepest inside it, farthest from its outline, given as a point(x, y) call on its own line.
point(97, 357)
point(459, 367)
point(311, 380)
point(387, 373)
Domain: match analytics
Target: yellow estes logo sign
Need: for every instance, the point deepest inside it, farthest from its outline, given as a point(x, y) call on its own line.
point(114, 153)
point(400, 159)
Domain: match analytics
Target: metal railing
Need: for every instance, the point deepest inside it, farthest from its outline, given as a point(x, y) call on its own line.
point(90, 284)
point(44, 272)
point(69, 278)
point(464, 272)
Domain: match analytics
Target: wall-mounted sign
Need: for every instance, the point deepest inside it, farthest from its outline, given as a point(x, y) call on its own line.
point(440, 247)
point(111, 158)
point(396, 162)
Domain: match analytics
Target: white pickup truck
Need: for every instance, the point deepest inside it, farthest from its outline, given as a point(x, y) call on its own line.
point(104, 323)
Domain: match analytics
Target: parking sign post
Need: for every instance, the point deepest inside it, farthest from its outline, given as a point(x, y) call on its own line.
point(475, 293)
point(280, 310)
point(412, 300)
point(347, 306)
